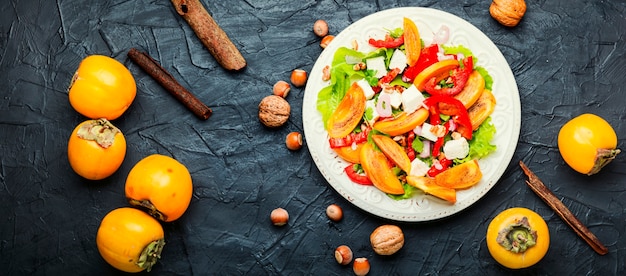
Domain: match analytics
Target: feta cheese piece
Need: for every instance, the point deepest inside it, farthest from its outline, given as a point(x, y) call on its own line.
point(371, 115)
point(398, 60)
point(457, 148)
point(377, 64)
point(367, 89)
point(412, 99)
point(396, 99)
point(427, 132)
point(419, 167)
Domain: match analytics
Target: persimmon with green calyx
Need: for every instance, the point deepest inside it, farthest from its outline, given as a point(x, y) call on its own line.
point(587, 143)
point(393, 151)
point(161, 185)
point(518, 238)
point(376, 167)
point(348, 113)
point(403, 123)
point(130, 240)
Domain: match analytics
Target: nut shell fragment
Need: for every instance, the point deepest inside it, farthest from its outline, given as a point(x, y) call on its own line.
point(274, 111)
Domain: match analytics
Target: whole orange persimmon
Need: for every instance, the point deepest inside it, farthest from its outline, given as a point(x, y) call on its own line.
point(102, 87)
point(587, 143)
point(130, 240)
point(96, 149)
point(161, 185)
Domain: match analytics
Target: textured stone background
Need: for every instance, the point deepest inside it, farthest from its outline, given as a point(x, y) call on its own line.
point(568, 58)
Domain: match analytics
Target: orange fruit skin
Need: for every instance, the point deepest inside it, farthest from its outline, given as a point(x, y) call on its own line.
point(164, 182)
point(580, 138)
point(102, 87)
point(90, 160)
point(122, 236)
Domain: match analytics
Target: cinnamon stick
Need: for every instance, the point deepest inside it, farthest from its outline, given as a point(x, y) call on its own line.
point(165, 79)
point(211, 35)
point(557, 205)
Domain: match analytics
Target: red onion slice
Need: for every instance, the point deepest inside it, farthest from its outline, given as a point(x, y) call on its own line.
point(442, 35)
point(383, 106)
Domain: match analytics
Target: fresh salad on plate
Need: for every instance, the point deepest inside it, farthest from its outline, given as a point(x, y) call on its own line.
point(410, 116)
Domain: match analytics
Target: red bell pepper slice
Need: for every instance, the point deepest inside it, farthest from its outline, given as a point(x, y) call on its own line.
point(439, 143)
point(459, 114)
point(389, 77)
point(357, 177)
point(428, 57)
point(458, 77)
point(350, 139)
point(410, 152)
point(444, 165)
point(389, 42)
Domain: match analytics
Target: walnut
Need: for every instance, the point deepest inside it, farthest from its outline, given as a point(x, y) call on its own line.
point(508, 12)
point(387, 239)
point(274, 111)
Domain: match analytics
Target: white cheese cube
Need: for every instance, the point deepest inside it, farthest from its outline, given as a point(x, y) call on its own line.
point(398, 60)
point(396, 99)
point(367, 89)
point(457, 148)
point(412, 99)
point(377, 64)
point(419, 167)
point(371, 115)
point(427, 132)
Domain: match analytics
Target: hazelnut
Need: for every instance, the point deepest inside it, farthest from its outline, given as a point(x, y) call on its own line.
point(274, 111)
point(508, 12)
point(334, 212)
point(343, 255)
point(361, 266)
point(279, 216)
point(320, 28)
point(326, 40)
point(294, 140)
point(281, 88)
point(387, 239)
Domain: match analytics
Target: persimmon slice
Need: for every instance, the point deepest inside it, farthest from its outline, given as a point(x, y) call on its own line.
point(461, 176)
point(428, 185)
point(412, 42)
point(375, 165)
point(348, 113)
point(393, 151)
point(403, 123)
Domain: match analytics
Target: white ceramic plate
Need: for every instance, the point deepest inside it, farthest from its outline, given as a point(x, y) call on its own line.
point(506, 117)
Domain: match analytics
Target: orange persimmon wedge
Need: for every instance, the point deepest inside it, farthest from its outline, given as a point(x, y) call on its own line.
point(435, 70)
point(429, 186)
point(393, 151)
point(482, 108)
point(412, 42)
point(471, 92)
point(375, 165)
point(461, 176)
point(348, 113)
point(349, 153)
point(403, 123)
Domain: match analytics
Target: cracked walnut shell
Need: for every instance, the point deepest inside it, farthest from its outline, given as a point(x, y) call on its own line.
point(387, 239)
point(274, 111)
point(508, 12)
